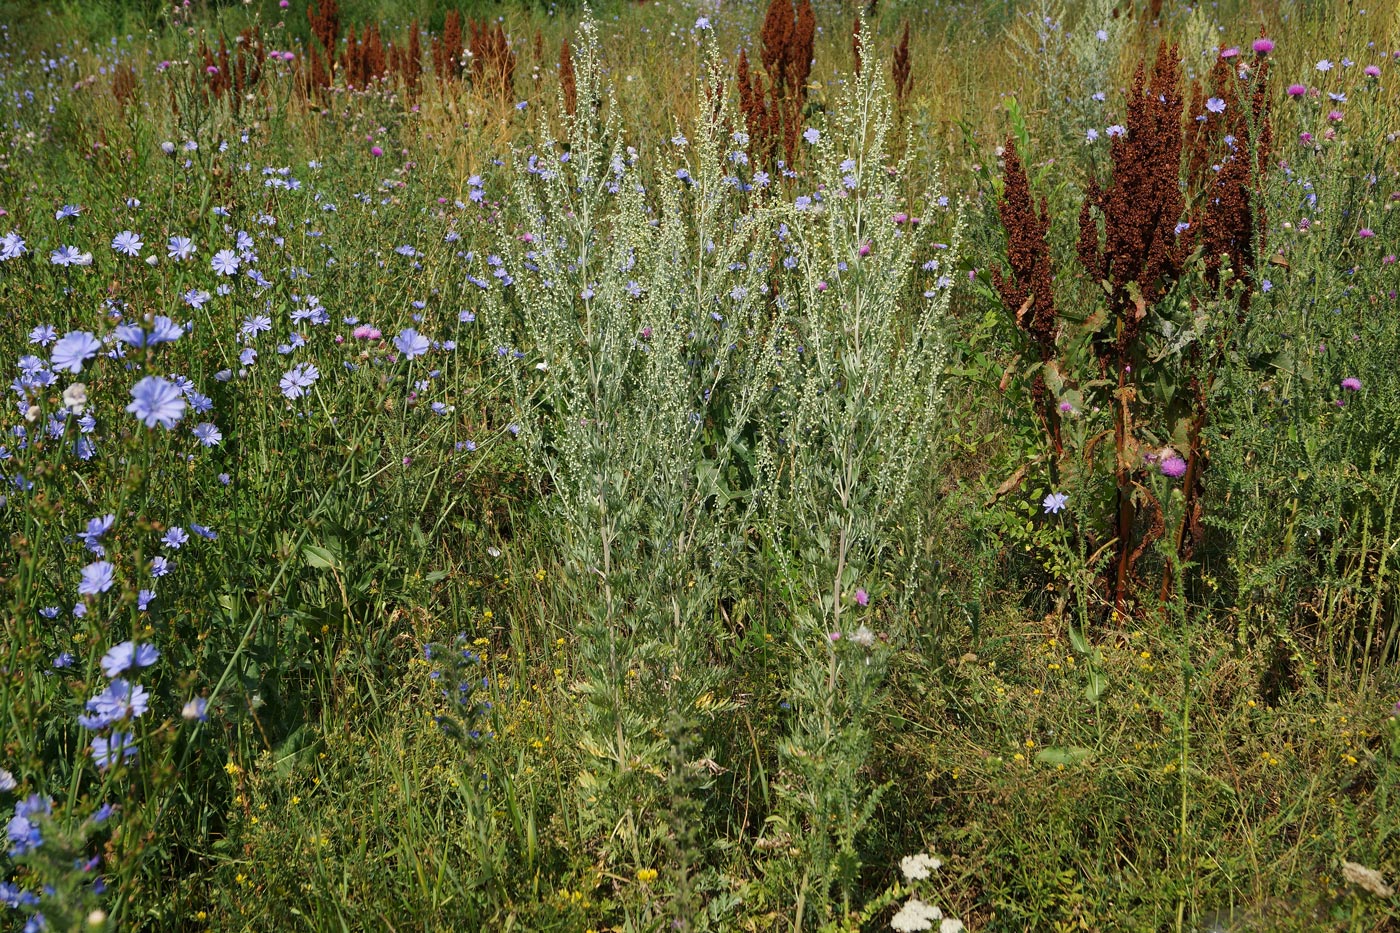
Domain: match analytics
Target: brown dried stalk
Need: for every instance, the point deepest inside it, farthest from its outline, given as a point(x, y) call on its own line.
point(231, 74)
point(407, 61)
point(364, 60)
point(124, 85)
point(760, 112)
point(567, 82)
point(1142, 253)
point(773, 111)
point(1139, 259)
point(1227, 161)
point(493, 60)
point(1231, 205)
point(447, 51)
point(1028, 293)
point(855, 43)
point(900, 70)
point(325, 24)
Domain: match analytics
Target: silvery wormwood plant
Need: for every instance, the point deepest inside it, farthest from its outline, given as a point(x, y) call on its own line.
point(634, 334)
point(850, 432)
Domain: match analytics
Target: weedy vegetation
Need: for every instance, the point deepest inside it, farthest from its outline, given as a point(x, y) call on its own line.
point(699, 467)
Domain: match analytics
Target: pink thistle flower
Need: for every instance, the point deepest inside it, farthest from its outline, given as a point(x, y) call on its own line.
point(1297, 90)
point(1371, 71)
point(1173, 466)
point(376, 151)
point(1351, 384)
point(862, 597)
point(1263, 45)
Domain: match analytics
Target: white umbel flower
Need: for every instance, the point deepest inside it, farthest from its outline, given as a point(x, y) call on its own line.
point(915, 915)
point(75, 398)
point(918, 867)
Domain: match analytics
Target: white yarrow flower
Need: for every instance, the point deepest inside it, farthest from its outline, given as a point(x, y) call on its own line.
point(75, 398)
point(915, 915)
point(918, 867)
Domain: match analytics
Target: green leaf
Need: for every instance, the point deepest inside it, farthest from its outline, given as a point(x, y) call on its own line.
point(320, 558)
point(1063, 755)
point(1097, 685)
point(1077, 641)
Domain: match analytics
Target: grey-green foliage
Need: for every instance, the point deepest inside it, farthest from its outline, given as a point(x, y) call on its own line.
point(640, 315)
point(624, 310)
point(1074, 56)
point(852, 430)
point(859, 388)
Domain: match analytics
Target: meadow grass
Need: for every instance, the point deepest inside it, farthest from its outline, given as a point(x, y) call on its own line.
point(616, 501)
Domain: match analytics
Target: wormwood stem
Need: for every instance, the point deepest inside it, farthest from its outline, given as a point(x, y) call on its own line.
point(1182, 825)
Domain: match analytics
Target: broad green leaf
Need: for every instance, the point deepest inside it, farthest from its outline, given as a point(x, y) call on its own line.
point(320, 558)
point(1063, 755)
